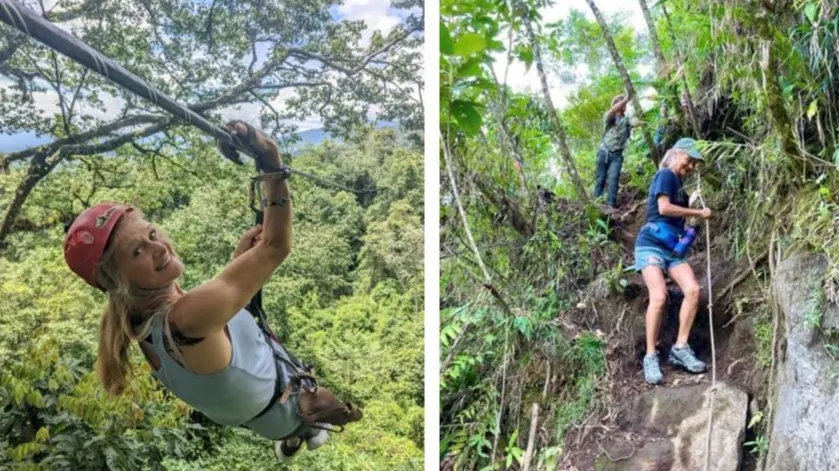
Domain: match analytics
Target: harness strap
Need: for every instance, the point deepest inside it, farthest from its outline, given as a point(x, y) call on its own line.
point(176, 351)
point(281, 390)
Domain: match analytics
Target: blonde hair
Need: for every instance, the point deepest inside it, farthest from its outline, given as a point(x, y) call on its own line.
point(668, 157)
point(121, 321)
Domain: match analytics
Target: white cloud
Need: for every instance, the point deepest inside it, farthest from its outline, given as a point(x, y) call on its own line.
point(376, 14)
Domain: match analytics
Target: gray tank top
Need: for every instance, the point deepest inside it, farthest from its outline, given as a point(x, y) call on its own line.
point(239, 392)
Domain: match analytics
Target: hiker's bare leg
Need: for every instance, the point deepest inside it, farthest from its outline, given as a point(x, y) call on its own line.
point(683, 275)
point(654, 279)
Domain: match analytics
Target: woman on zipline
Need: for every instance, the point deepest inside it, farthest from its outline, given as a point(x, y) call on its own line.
point(654, 254)
point(201, 344)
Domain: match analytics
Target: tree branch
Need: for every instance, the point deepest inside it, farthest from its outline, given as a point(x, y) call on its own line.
point(81, 137)
point(156, 152)
point(7, 52)
point(41, 165)
point(331, 63)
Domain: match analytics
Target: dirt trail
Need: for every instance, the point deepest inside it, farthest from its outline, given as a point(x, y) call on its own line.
point(621, 318)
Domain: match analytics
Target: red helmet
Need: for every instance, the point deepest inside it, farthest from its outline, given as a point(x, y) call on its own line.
point(87, 237)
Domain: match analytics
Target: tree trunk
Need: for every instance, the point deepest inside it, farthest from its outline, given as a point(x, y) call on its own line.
point(561, 140)
point(613, 50)
point(40, 167)
point(504, 133)
point(531, 437)
point(659, 56)
point(694, 120)
point(781, 121)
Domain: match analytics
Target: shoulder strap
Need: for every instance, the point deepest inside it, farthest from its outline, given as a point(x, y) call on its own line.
point(161, 328)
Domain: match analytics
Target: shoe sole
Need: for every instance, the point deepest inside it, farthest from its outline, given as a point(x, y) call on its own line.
point(318, 440)
point(282, 457)
point(678, 363)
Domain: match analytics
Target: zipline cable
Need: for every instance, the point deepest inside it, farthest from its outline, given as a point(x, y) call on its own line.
point(28, 22)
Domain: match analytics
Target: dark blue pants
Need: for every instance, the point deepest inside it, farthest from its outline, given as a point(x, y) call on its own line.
point(607, 172)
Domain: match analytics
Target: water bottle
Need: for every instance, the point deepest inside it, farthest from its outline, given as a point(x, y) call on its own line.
point(687, 239)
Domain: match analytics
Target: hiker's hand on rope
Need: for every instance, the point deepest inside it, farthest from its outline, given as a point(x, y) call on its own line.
point(251, 237)
point(705, 213)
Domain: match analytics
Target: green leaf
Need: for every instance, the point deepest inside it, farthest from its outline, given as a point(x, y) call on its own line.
point(813, 109)
point(812, 11)
point(496, 45)
point(469, 44)
point(525, 54)
point(471, 68)
point(466, 115)
point(446, 47)
point(755, 420)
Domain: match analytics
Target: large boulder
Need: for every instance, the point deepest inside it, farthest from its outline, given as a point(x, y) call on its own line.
point(805, 433)
point(674, 421)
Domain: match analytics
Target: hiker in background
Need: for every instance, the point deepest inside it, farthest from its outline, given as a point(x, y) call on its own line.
point(666, 126)
point(668, 205)
point(670, 124)
point(610, 154)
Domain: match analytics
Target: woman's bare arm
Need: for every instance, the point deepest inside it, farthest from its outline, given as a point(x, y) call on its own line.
point(666, 208)
point(209, 307)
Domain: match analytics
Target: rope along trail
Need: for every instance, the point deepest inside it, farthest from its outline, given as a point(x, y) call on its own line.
point(712, 390)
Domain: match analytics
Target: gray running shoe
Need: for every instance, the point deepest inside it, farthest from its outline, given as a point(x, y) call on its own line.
point(685, 358)
point(285, 450)
point(652, 371)
point(318, 440)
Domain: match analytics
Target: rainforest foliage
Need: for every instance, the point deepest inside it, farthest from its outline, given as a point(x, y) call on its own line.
point(754, 81)
point(348, 299)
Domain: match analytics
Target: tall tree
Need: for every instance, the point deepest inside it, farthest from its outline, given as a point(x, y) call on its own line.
point(559, 132)
point(613, 50)
point(659, 55)
point(694, 118)
point(781, 121)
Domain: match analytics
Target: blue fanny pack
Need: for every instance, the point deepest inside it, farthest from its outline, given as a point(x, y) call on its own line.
point(664, 234)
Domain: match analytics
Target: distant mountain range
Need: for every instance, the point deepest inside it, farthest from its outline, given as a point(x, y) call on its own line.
point(311, 137)
point(314, 137)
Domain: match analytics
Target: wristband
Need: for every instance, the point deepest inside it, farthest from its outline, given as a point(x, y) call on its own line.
point(283, 172)
point(279, 201)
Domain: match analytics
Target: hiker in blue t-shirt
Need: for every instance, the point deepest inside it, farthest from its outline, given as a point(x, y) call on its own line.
point(610, 154)
point(667, 208)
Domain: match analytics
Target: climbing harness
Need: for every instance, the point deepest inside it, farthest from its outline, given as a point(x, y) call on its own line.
point(28, 22)
point(316, 406)
point(712, 390)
